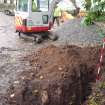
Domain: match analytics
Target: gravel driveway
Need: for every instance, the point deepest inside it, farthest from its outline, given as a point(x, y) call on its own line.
point(73, 32)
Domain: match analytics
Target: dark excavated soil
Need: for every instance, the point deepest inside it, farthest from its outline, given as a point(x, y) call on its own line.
point(59, 76)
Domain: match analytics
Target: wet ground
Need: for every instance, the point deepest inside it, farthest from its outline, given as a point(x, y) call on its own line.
point(12, 49)
point(8, 36)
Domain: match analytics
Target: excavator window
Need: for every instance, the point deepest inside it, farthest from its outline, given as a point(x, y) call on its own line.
point(34, 5)
point(23, 5)
point(40, 5)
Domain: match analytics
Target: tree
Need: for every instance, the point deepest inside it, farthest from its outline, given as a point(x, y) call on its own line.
point(11, 1)
point(55, 2)
point(5, 1)
point(74, 3)
point(96, 12)
point(88, 4)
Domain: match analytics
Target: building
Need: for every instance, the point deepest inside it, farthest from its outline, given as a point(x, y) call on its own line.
point(8, 1)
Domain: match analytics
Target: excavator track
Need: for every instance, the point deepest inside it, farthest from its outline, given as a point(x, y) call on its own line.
point(40, 36)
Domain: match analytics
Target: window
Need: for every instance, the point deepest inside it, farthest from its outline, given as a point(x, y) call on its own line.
point(44, 5)
point(40, 5)
point(45, 19)
point(23, 5)
point(34, 5)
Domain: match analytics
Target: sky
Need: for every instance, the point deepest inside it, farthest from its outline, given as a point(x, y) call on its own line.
point(67, 4)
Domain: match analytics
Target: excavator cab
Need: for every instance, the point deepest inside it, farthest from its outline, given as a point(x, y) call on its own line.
point(32, 16)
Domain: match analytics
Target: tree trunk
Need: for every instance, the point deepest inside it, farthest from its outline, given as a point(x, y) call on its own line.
point(11, 1)
point(74, 3)
point(5, 1)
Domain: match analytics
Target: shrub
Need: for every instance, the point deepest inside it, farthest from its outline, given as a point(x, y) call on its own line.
point(96, 12)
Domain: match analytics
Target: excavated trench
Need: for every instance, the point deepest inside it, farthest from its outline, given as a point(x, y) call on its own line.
point(59, 76)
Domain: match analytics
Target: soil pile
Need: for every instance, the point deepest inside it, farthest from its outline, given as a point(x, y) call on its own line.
point(59, 76)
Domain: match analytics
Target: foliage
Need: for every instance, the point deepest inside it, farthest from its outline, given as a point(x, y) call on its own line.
point(98, 96)
point(87, 4)
point(88, 19)
point(99, 6)
point(96, 12)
